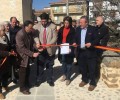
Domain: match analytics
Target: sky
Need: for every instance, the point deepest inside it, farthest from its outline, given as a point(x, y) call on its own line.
point(40, 4)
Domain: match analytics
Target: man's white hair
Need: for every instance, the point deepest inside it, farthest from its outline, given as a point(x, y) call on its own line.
point(101, 17)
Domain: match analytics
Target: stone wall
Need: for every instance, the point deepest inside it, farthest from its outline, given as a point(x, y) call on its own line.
point(110, 69)
point(21, 9)
point(10, 8)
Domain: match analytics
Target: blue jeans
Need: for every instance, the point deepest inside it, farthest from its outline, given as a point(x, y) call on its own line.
point(66, 68)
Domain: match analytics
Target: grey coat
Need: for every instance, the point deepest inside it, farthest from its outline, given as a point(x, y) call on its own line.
point(24, 42)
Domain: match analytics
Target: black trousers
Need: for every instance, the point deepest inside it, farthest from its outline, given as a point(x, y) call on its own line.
point(45, 61)
point(14, 67)
point(0, 83)
point(24, 78)
point(88, 67)
point(28, 75)
point(99, 60)
point(3, 81)
point(5, 71)
point(32, 72)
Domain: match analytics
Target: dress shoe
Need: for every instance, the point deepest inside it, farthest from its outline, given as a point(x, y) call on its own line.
point(63, 78)
point(15, 81)
point(76, 63)
point(6, 89)
point(82, 84)
point(2, 96)
point(91, 88)
point(26, 92)
point(67, 82)
point(37, 84)
point(51, 83)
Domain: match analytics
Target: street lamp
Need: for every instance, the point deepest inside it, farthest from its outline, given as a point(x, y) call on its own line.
point(67, 7)
point(87, 3)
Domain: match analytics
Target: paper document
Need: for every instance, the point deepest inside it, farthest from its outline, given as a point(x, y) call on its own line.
point(65, 48)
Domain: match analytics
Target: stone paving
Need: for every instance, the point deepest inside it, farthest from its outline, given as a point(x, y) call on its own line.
point(62, 92)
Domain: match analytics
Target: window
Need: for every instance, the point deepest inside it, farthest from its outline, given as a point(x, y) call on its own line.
point(56, 8)
point(64, 9)
point(56, 18)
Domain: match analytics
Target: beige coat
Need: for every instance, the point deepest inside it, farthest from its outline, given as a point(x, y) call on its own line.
point(51, 35)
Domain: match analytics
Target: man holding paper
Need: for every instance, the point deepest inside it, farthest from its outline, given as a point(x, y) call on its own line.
point(66, 52)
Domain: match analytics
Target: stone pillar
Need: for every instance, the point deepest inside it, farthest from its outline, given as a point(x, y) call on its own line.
point(10, 8)
point(110, 69)
point(27, 9)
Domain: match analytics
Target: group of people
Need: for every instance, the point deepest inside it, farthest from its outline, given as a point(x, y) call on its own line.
point(31, 50)
point(8, 60)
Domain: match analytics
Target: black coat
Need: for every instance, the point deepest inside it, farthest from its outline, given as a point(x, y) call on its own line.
point(13, 32)
point(103, 33)
point(91, 37)
point(70, 38)
point(4, 48)
point(4, 52)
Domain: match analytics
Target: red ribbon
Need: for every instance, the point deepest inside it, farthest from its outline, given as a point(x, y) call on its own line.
point(98, 47)
point(3, 61)
point(108, 48)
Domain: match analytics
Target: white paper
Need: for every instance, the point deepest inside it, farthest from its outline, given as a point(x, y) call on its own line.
point(65, 48)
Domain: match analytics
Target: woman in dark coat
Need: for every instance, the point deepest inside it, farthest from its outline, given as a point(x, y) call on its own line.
point(4, 59)
point(66, 35)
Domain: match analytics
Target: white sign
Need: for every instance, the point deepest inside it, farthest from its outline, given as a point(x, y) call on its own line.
point(65, 48)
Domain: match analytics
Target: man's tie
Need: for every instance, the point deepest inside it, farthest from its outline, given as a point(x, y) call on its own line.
point(44, 36)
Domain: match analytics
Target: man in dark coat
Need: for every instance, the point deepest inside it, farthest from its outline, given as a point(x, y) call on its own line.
point(13, 29)
point(86, 38)
point(24, 47)
point(103, 33)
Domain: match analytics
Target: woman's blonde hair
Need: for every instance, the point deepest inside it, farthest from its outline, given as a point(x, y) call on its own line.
point(6, 23)
point(1, 26)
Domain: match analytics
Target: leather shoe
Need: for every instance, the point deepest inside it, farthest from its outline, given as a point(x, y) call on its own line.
point(51, 83)
point(26, 92)
point(63, 78)
point(15, 81)
point(2, 96)
point(67, 82)
point(37, 84)
point(82, 84)
point(6, 89)
point(91, 88)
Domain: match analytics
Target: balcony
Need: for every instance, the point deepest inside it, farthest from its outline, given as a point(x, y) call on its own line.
point(57, 21)
point(71, 11)
point(59, 12)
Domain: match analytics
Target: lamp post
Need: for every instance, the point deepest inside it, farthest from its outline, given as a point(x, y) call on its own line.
point(87, 4)
point(119, 7)
point(67, 7)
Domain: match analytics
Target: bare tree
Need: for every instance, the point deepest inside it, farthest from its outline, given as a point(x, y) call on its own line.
point(110, 9)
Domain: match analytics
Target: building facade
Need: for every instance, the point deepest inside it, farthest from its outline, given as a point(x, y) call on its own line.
point(39, 12)
point(59, 10)
point(22, 9)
